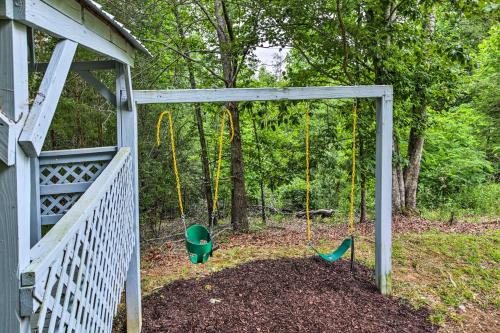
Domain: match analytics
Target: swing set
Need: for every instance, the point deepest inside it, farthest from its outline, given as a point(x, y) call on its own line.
point(382, 95)
point(199, 240)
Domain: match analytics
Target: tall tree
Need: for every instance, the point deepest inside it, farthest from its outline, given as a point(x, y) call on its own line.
point(234, 44)
point(230, 63)
point(207, 182)
point(396, 42)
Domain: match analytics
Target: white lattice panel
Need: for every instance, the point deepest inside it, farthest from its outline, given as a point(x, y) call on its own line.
point(71, 173)
point(79, 268)
point(57, 203)
point(66, 173)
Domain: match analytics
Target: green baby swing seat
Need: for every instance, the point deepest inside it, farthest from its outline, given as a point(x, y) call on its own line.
point(198, 243)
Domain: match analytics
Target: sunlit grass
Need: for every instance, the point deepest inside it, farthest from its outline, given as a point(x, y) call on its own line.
point(448, 272)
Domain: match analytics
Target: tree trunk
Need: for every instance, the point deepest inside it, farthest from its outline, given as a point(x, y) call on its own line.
point(396, 198)
point(207, 181)
point(401, 181)
point(261, 180)
point(239, 216)
point(416, 140)
point(362, 204)
point(398, 186)
point(412, 171)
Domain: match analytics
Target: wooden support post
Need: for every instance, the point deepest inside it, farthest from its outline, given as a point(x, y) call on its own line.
point(36, 219)
point(6, 9)
point(383, 194)
point(127, 137)
point(15, 179)
point(45, 103)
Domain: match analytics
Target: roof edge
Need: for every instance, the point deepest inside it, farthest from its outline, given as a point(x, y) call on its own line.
point(120, 27)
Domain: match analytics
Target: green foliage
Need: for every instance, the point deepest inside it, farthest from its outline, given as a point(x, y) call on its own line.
point(471, 204)
point(453, 159)
point(485, 82)
point(293, 195)
point(441, 57)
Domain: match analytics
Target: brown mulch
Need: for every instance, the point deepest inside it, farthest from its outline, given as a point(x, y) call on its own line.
point(285, 295)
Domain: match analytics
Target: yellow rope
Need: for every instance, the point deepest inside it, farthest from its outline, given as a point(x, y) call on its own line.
point(230, 123)
point(307, 176)
point(353, 173)
point(219, 161)
point(174, 158)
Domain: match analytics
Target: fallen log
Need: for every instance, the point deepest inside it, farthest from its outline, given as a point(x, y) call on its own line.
point(317, 212)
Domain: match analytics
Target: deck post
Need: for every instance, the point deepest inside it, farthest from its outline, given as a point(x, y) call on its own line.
point(15, 179)
point(383, 194)
point(36, 219)
point(127, 137)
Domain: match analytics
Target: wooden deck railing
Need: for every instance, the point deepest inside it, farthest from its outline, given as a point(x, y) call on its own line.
point(78, 269)
point(63, 177)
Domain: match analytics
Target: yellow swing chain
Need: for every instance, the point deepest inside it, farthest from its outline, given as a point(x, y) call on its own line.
point(219, 161)
point(307, 177)
point(174, 158)
point(174, 155)
point(353, 176)
point(353, 173)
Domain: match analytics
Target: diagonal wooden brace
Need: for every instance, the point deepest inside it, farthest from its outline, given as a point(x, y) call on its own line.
point(99, 86)
point(44, 106)
point(7, 139)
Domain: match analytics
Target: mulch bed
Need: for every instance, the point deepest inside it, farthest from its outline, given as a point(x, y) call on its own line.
point(285, 295)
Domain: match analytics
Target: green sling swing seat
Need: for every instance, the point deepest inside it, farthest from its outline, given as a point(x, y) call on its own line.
point(336, 254)
point(199, 243)
point(348, 243)
point(198, 240)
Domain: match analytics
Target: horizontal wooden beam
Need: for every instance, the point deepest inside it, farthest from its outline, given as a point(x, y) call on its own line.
point(45, 103)
point(99, 86)
point(65, 21)
point(64, 188)
point(50, 219)
point(257, 94)
point(77, 155)
point(81, 66)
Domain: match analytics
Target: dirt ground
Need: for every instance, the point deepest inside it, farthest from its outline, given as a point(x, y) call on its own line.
point(281, 295)
point(267, 281)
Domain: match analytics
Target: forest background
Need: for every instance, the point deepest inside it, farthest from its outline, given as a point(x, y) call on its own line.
point(441, 57)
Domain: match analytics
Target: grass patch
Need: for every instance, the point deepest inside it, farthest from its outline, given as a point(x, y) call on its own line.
point(448, 272)
point(460, 214)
